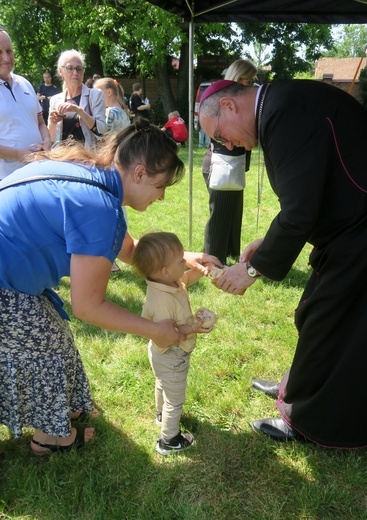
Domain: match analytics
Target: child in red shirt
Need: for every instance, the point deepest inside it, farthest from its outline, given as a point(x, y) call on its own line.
point(176, 128)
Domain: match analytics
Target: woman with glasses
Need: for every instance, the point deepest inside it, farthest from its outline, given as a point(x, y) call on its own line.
point(222, 236)
point(80, 111)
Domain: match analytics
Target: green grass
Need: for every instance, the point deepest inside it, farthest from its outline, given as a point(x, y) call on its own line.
point(232, 472)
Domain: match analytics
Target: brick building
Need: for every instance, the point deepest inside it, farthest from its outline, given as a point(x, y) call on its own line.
point(340, 72)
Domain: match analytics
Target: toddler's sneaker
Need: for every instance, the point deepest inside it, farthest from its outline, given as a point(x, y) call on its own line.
point(182, 441)
point(115, 268)
point(158, 418)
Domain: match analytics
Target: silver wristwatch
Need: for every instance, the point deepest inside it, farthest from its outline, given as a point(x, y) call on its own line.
point(251, 271)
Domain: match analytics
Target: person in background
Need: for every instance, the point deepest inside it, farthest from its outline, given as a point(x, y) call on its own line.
point(72, 227)
point(117, 115)
point(159, 258)
point(89, 82)
point(176, 128)
point(22, 128)
point(222, 235)
point(80, 110)
point(313, 138)
point(45, 92)
point(204, 139)
point(138, 106)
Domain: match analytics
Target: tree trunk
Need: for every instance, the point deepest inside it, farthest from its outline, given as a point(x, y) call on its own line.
point(167, 96)
point(94, 61)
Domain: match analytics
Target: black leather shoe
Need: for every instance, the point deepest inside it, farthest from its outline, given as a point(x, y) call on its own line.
point(270, 388)
point(277, 429)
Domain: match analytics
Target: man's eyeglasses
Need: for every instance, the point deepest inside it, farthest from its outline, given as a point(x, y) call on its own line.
point(220, 140)
point(70, 68)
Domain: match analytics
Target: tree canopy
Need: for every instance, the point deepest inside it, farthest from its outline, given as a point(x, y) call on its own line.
point(294, 48)
point(349, 42)
point(122, 37)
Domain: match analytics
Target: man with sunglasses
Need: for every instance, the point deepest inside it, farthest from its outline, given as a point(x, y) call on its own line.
point(22, 129)
point(313, 138)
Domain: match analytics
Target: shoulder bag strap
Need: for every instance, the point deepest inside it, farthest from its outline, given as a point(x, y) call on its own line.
point(58, 178)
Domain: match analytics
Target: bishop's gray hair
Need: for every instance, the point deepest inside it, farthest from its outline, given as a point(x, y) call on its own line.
point(210, 105)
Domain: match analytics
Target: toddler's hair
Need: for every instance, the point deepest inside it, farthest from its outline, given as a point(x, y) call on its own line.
point(154, 251)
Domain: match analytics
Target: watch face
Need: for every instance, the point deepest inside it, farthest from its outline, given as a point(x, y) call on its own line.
point(251, 271)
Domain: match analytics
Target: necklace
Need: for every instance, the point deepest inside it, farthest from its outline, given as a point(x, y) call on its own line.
point(261, 163)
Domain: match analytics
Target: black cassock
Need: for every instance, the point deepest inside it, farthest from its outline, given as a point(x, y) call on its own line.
point(314, 138)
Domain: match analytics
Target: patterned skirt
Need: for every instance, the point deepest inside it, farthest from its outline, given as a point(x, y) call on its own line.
point(42, 378)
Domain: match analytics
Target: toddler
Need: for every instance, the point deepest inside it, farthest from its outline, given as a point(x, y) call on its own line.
point(159, 258)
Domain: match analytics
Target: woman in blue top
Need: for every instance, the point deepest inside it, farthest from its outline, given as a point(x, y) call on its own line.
point(71, 226)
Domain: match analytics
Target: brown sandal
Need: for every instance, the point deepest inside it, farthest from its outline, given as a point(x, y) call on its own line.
point(78, 442)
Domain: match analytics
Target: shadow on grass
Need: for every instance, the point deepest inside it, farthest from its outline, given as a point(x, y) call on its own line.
point(295, 278)
point(226, 475)
point(246, 475)
point(98, 481)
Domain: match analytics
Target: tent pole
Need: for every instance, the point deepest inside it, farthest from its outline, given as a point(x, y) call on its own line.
point(356, 74)
point(191, 123)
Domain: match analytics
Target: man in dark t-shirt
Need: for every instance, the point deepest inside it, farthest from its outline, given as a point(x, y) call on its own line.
point(137, 106)
point(44, 92)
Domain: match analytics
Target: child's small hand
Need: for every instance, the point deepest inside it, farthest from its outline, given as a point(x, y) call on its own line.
point(198, 327)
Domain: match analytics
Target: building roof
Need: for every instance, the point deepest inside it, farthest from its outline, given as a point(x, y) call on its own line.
point(339, 69)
